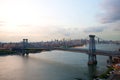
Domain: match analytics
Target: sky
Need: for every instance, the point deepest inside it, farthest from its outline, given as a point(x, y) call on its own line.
point(42, 20)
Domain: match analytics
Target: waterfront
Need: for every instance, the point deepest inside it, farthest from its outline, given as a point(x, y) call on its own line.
point(52, 65)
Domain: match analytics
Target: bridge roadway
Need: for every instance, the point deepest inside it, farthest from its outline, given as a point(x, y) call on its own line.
point(98, 52)
point(80, 50)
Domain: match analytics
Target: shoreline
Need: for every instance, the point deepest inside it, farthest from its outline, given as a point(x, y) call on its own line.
point(112, 72)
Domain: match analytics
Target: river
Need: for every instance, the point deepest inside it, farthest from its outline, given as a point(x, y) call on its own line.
point(53, 65)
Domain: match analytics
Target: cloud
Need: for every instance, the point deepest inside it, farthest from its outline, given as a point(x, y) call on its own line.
point(24, 25)
point(115, 26)
point(95, 29)
point(2, 23)
point(63, 31)
point(110, 12)
point(66, 32)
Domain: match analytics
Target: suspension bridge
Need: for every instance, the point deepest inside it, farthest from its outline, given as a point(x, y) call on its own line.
point(92, 51)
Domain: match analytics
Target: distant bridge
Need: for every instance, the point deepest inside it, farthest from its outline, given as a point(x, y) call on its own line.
point(92, 52)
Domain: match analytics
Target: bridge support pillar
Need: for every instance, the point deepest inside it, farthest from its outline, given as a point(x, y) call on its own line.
point(25, 46)
point(92, 57)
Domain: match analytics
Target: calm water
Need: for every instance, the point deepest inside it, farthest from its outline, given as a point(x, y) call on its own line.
point(53, 65)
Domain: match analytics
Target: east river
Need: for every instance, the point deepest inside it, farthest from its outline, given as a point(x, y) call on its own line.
point(53, 65)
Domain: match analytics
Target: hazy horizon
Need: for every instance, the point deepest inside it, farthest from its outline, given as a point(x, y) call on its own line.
point(39, 20)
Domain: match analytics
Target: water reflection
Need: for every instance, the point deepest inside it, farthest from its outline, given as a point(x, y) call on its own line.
point(92, 69)
point(35, 67)
point(25, 59)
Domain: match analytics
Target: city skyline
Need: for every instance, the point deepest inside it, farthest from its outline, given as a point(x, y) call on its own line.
point(40, 20)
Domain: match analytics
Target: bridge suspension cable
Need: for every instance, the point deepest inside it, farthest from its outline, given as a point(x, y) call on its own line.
point(99, 39)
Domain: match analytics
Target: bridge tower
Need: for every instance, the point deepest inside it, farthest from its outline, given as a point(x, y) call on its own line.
point(98, 40)
point(92, 49)
point(25, 46)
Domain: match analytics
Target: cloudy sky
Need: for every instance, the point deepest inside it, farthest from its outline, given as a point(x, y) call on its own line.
point(40, 20)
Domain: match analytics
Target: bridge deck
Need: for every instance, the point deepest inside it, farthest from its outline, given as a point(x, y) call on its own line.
point(98, 52)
